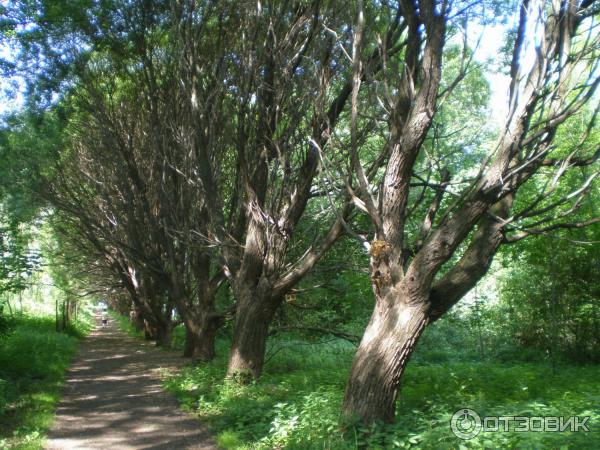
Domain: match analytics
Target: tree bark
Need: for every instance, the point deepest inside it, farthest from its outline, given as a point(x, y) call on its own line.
point(150, 331)
point(388, 342)
point(136, 319)
point(71, 308)
point(200, 337)
point(190, 342)
point(253, 316)
point(159, 331)
point(63, 315)
point(164, 334)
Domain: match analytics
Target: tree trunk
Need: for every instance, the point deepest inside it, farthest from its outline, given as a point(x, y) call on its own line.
point(252, 319)
point(63, 315)
point(200, 339)
point(56, 316)
point(201, 322)
point(150, 331)
point(71, 308)
point(164, 334)
point(190, 342)
point(388, 342)
point(136, 319)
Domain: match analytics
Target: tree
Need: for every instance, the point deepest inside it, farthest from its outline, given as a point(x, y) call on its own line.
point(213, 141)
point(412, 283)
point(550, 296)
point(119, 183)
point(18, 210)
point(273, 99)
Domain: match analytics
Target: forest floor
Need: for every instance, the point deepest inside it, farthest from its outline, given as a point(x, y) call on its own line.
point(113, 398)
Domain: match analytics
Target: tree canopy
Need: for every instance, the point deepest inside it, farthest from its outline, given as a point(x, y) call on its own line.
point(200, 159)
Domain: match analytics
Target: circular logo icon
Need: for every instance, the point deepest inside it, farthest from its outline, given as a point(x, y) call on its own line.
point(465, 423)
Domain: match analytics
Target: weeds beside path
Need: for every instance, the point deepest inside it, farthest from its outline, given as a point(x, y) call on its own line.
point(33, 358)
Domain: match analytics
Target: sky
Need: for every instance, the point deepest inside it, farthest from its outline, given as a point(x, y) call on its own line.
point(7, 104)
point(489, 48)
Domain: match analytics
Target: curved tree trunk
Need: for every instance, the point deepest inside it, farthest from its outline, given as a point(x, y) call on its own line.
point(388, 342)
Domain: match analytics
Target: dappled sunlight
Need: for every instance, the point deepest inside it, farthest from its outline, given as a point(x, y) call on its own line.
point(118, 401)
point(328, 225)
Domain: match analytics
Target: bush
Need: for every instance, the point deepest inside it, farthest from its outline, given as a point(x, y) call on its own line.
point(6, 326)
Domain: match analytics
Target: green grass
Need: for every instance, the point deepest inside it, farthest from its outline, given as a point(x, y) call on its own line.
point(296, 404)
point(125, 325)
point(33, 359)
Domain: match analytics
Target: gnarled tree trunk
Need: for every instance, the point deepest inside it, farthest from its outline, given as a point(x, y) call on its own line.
point(200, 336)
point(150, 330)
point(388, 342)
point(255, 310)
point(136, 319)
point(159, 329)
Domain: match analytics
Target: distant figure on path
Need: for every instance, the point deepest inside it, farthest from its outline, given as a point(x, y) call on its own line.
point(104, 317)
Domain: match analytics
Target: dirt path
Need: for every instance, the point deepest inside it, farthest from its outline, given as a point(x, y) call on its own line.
point(113, 399)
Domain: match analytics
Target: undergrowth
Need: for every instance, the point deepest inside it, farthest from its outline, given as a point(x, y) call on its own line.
point(296, 403)
point(33, 358)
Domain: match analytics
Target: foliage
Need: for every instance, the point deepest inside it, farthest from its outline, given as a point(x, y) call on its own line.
point(32, 363)
point(28, 144)
point(6, 323)
point(296, 404)
point(550, 299)
point(17, 261)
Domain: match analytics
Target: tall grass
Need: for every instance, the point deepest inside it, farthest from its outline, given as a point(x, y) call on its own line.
point(297, 402)
point(33, 358)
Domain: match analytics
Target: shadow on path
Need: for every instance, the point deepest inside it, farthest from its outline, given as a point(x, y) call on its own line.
point(113, 399)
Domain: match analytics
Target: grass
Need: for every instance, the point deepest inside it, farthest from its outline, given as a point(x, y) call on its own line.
point(33, 359)
point(125, 325)
point(296, 404)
